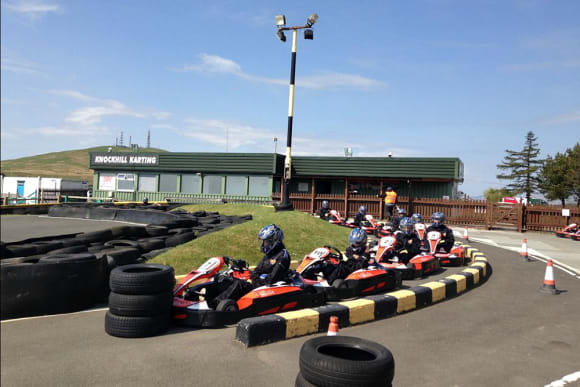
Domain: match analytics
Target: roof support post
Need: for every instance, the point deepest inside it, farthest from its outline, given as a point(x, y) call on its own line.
point(346, 198)
point(381, 211)
point(313, 195)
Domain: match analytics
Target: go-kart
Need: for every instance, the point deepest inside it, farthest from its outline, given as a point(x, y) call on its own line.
point(368, 224)
point(192, 293)
point(569, 231)
point(420, 230)
point(576, 236)
point(335, 217)
point(372, 279)
point(418, 266)
point(455, 257)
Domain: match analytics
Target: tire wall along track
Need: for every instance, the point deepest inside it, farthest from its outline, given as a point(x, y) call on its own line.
point(268, 329)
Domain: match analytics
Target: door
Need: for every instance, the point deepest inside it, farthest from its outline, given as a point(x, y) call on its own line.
point(20, 191)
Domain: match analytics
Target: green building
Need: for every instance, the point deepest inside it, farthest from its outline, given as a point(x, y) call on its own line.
point(258, 176)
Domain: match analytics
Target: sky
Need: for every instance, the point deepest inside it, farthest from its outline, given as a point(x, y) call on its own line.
point(433, 78)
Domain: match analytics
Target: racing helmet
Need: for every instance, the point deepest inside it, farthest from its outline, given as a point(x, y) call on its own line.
point(145, 201)
point(389, 188)
point(325, 204)
point(438, 218)
point(271, 237)
point(406, 225)
point(417, 218)
point(362, 210)
point(357, 238)
point(402, 212)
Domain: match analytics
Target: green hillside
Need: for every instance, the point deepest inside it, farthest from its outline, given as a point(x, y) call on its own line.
point(73, 164)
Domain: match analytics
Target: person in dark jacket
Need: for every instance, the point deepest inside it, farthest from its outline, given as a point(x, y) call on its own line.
point(360, 216)
point(273, 267)
point(447, 238)
point(324, 211)
point(357, 257)
point(395, 220)
point(408, 242)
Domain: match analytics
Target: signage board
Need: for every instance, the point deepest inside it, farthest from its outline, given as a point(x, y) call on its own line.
point(565, 212)
point(124, 159)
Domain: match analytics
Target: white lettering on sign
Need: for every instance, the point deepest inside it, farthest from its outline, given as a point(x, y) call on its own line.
point(125, 159)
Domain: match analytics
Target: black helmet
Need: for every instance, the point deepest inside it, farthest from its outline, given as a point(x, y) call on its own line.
point(362, 210)
point(438, 218)
point(325, 204)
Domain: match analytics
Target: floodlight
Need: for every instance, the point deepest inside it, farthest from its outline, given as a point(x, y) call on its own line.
point(280, 35)
point(312, 19)
point(280, 20)
point(308, 34)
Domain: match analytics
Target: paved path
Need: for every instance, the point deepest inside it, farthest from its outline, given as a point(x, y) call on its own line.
point(503, 333)
point(541, 244)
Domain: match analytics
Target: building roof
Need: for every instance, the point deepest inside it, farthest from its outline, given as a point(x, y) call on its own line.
point(444, 168)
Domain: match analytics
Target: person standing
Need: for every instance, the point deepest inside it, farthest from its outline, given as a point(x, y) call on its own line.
point(390, 197)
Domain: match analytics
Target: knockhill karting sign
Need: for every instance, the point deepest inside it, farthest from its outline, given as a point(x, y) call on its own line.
point(125, 159)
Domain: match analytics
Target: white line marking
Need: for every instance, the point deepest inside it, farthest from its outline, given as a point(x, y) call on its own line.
point(565, 380)
point(53, 315)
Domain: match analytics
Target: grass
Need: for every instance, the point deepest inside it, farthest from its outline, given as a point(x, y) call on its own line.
point(302, 234)
point(73, 164)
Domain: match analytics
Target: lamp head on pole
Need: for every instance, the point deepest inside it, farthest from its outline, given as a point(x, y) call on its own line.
point(280, 20)
point(308, 34)
point(280, 35)
point(311, 20)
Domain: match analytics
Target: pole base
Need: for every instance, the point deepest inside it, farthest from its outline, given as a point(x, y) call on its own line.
point(282, 207)
point(549, 290)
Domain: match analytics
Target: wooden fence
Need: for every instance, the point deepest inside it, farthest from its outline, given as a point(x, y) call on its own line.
point(459, 212)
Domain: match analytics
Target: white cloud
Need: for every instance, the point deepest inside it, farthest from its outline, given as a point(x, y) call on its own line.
point(161, 115)
point(562, 119)
point(21, 66)
point(69, 131)
point(323, 80)
point(33, 9)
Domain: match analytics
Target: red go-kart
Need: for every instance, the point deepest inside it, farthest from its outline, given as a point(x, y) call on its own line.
point(455, 257)
point(569, 232)
point(418, 266)
point(370, 280)
point(190, 295)
point(420, 230)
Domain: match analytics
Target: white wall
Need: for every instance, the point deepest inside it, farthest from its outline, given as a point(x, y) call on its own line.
point(31, 184)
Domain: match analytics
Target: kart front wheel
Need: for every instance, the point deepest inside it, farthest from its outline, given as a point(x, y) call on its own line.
point(227, 305)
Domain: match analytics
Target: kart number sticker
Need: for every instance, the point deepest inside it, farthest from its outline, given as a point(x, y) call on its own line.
point(210, 264)
point(387, 242)
point(320, 253)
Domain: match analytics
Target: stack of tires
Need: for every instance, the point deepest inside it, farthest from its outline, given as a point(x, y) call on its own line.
point(140, 300)
point(344, 361)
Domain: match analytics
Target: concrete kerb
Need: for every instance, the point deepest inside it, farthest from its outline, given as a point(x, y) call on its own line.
point(282, 326)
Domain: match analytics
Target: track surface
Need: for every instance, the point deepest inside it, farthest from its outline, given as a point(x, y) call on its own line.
point(502, 333)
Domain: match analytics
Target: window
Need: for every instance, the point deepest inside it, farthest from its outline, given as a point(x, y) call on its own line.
point(126, 182)
point(107, 181)
point(190, 183)
point(148, 183)
point(168, 182)
point(259, 186)
point(236, 185)
point(212, 184)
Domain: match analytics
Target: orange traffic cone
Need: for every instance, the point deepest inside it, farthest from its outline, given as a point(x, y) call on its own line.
point(465, 235)
point(549, 285)
point(524, 250)
point(333, 326)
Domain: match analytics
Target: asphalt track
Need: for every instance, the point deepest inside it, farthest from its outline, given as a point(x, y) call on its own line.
point(502, 333)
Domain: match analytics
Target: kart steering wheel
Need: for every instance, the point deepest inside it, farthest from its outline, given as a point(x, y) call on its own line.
point(335, 249)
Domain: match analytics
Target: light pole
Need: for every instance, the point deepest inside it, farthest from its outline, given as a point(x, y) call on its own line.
point(308, 34)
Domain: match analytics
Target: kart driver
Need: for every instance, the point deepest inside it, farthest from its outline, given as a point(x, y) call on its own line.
point(395, 220)
point(357, 255)
point(360, 216)
point(447, 238)
point(272, 268)
point(408, 242)
point(324, 211)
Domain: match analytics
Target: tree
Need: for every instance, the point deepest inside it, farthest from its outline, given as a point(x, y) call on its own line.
point(522, 167)
point(555, 182)
point(574, 171)
point(495, 195)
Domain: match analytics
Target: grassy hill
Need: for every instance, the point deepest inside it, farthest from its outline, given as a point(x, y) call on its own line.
point(73, 164)
point(302, 234)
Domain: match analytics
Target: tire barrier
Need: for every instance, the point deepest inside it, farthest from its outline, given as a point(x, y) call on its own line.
point(140, 300)
point(343, 361)
point(114, 247)
point(51, 284)
point(282, 326)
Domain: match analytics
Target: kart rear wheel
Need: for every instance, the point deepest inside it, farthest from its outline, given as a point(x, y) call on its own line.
point(301, 382)
point(227, 305)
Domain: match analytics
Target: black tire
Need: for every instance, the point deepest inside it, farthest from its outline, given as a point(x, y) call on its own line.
point(180, 230)
point(209, 220)
point(15, 260)
point(132, 327)
point(122, 255)
point(198, 229)
point(96, 236)
point(142, 279)
point(140, 304)
point(122, 243)
point(301, 382)
point(179, 239)
point(120, 232)
point(246, 217)
point(20, 250)
point(154, 231)
point(68, 258)
point(136, 232)
point(346, 361)
point(43, 247)
point(154, 253)
point(149, 244)
point(72, 242)
point(227, 305)
point(69, 250)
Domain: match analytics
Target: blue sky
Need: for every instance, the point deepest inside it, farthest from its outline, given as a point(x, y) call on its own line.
point(421, 78)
